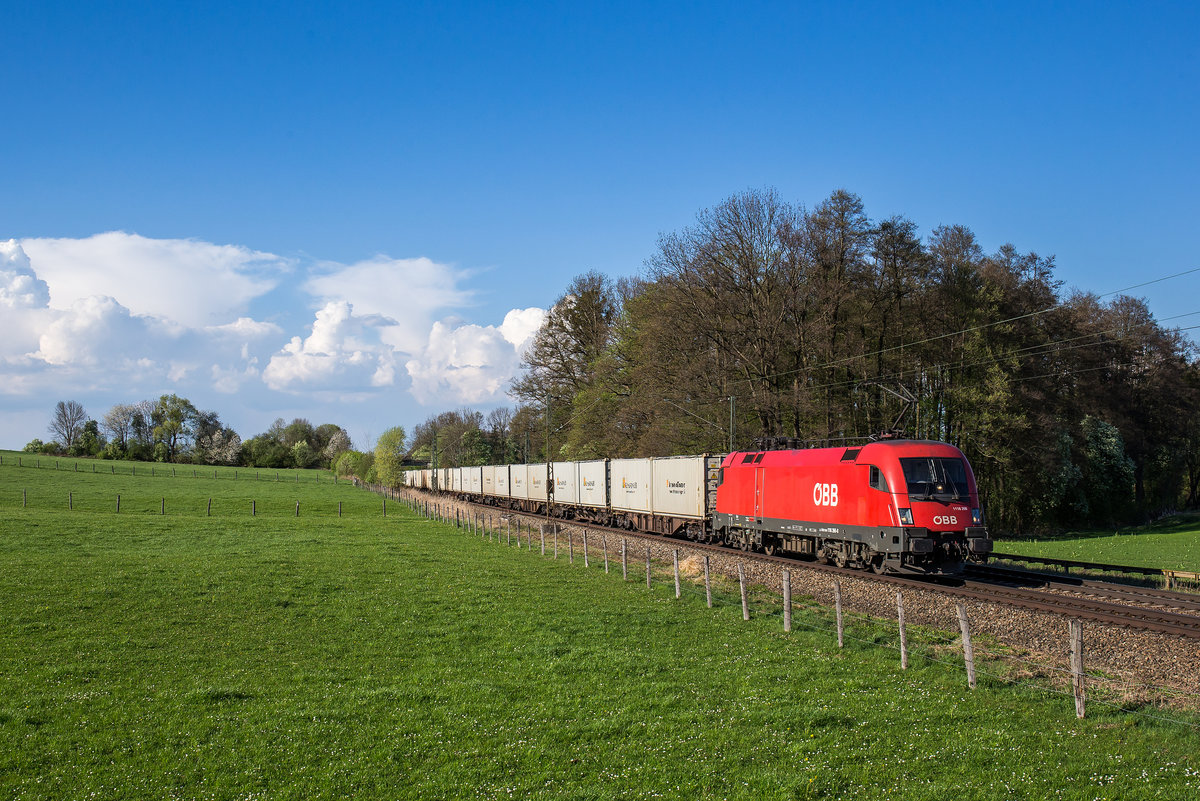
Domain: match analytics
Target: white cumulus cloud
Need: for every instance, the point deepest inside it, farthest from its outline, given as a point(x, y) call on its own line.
point(472, 363)
point(20, 287)
point(94, 330)
point(116, 317)
point(187, 281)
point(342, 352)
point(409, 292)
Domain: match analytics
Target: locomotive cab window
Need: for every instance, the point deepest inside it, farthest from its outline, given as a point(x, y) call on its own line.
point(935, 478)
point(877, 479)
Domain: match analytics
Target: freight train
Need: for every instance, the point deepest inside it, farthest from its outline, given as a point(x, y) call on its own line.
point(895, 506)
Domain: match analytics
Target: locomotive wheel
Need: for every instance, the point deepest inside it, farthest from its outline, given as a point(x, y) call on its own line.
point(770, 549)
point(877, 565)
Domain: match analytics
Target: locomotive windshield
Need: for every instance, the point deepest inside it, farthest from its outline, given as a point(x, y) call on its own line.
point(935, 478)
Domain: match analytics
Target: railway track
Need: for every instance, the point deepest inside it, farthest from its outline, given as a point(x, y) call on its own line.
point(1093, 601)
point(1187, 602)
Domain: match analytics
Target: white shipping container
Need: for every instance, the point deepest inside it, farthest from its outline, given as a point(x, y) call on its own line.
point(678, 486)
point(593, 483)
point(489, 479)
point(502, 484)
point(455, 480)
point(518, 477)
point(629, 487)
point(537, 482)
point(566, 485)
point(473, 480)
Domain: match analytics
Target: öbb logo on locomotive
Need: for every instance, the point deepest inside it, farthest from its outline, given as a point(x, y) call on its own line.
point(825, 494)
point(891, 505)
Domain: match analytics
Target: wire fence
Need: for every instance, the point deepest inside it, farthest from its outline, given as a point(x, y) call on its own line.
point(980, 662)
point(168, 470)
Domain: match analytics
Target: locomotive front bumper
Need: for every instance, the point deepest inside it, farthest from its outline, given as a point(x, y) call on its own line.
point(978, 541)
point(919, 541)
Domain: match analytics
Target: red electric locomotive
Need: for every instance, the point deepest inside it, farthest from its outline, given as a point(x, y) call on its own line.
point(893, 506)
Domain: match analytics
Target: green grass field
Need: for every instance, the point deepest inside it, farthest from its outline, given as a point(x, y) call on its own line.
point(1170, 544)
point(145, 655)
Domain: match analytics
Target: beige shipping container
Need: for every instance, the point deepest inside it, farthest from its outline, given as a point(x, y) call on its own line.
point(502, 482)
point(629, 487)
point(537, 482)
point(678, 486)
point(518, 477)
point(566, 484)
point(593, 483)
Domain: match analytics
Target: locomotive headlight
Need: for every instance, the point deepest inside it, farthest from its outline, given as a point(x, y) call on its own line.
point(906, 518)
point(976, 517)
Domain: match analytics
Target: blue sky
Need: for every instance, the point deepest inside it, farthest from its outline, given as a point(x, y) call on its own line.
point(355, 212)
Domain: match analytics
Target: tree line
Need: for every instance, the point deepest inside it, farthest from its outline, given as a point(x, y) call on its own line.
point(821, 325)
point(172, 429)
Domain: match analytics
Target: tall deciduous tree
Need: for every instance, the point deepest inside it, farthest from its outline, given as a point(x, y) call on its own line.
point(389, 456)
point(175, 421)
point(67, 422)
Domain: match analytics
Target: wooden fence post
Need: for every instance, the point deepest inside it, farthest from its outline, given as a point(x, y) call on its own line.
point(604, 544)
point(163, 510)
point(70, 500)
point(339, 508)
point(556, 542)
point(968, 651)
point(647, 567)
point(118, 504)
point(585, 553)
point(210, 507)
point(543, 533)
point(837, 606)
point(787, 600)
point(675, 559)
point(745, 599)
point(1076, 631)
point(903, 635)
point(571, 544)
point(624, 562)
point(253, 508)
point(707, 583)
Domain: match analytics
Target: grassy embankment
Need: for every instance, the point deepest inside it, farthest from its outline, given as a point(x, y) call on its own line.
point(1171, 544)
point(146, 655)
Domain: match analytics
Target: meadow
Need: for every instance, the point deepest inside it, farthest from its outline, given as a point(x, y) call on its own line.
point(182, 655)
point(1172, 543)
